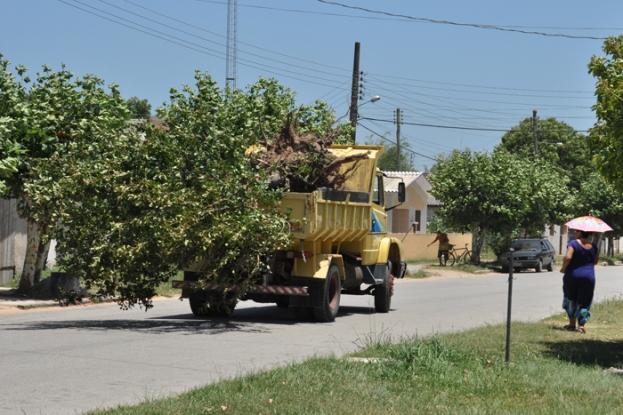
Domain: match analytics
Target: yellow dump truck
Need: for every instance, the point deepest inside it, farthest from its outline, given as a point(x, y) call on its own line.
point(340, 247)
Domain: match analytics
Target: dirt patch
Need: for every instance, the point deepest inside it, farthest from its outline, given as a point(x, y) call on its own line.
point(438, 272)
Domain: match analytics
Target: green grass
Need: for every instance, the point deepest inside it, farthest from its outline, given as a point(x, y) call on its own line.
point(551, 372)
point(165, 290)
point(610, 259)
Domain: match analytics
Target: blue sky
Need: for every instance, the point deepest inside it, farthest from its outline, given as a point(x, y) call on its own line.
point(457, 85)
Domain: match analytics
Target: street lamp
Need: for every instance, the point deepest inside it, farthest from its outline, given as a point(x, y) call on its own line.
point(354, 116)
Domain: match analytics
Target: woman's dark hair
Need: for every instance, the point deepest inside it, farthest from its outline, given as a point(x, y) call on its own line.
point(584, 234)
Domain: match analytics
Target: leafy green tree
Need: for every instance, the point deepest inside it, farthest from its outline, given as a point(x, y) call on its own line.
point(498, 192)
point(572, 158)
point(139, 108)
point(599, 198)
point(140, 203)
point(389, 160)
point(44, 121)
point(606, 137)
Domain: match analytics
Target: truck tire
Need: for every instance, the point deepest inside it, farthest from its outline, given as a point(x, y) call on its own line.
point(383, 292)
point(283, 302)
point(202, 307)
point(330, 297)
point(198, 304)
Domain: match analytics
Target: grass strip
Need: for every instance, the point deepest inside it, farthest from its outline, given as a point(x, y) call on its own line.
point(552, 371)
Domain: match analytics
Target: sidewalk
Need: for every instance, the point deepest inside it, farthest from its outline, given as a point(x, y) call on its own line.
point(9, 299)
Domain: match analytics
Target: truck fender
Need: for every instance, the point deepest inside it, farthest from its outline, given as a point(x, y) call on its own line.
point(315, 285)
point(325, 263)
point(390, 249)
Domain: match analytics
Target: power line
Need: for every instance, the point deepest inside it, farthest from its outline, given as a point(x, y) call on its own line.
point(390, 141)
point(447, 22)
point(465, 128)
point(194, 46)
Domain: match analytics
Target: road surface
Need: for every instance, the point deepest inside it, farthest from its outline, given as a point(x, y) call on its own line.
point(69, 360)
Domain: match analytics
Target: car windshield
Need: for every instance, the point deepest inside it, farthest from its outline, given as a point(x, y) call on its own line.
point(526, 245)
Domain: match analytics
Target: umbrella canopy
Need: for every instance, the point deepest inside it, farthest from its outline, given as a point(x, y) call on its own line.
point(588, 224)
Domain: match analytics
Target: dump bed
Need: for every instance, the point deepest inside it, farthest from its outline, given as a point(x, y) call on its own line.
point(336, 215)
point(324, 214)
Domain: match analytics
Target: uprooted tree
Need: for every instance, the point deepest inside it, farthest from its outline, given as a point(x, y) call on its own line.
point(139, 203)
point(301, 162)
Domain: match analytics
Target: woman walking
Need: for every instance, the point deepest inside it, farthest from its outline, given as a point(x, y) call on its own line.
point(578, 282)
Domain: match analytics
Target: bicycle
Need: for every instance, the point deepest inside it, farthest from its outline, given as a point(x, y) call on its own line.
point(465, 257)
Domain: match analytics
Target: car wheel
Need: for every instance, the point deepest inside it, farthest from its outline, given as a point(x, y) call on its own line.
point(539, 266)
point(550, 266)
point(505, 269)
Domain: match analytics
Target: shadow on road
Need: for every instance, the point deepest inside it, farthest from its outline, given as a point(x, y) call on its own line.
point(248, 320)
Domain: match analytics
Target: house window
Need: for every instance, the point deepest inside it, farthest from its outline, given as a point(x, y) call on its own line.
point(415, 216)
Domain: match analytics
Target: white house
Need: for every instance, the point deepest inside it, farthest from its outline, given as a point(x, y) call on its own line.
point(415, 208)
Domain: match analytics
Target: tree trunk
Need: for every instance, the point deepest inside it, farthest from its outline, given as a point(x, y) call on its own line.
point(610, 245)
point(30, 259)
point(42, 259)
point(478, 239)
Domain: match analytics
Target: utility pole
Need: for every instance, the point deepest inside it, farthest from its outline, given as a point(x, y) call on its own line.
point(535, 133)
point(398, 120)
point(232, 39)
point(354, 94)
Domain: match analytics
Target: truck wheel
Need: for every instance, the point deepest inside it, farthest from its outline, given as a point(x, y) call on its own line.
point(330, 297)
point(383, 292)
point(198, 304)
point(283, 302)
point(202, 307)
point(223, 306)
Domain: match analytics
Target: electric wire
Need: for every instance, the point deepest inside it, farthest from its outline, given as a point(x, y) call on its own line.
point(473, 25)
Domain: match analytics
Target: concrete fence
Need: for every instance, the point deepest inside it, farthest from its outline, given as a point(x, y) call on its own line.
point(415, 244)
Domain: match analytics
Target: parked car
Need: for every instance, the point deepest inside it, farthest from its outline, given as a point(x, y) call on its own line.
point(534, 253)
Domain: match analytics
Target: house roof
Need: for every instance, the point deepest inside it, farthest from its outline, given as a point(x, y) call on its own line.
point(391, 183)
point(431, 201)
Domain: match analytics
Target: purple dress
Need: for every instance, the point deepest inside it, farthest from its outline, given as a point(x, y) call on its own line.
point(578, 282)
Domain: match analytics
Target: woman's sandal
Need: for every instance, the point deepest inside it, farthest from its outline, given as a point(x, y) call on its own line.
point(569, 327)
point(581, 330)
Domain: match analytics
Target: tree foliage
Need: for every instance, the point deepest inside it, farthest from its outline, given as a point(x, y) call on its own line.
point(498, 192)
point(606, 137)
point(139, 108)
point(389, 159)
point(43, 121)
point(139, 203)
point(599, 198)
point(572, 158)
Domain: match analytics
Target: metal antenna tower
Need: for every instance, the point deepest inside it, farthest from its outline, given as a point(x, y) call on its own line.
point(232, 36)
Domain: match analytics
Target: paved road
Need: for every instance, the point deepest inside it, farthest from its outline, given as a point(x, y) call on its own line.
point(62, 361)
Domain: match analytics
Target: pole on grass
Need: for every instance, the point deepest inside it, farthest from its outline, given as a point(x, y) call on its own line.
point(508, 312)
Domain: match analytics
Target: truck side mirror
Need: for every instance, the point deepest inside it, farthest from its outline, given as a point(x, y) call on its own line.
point(402, 193)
